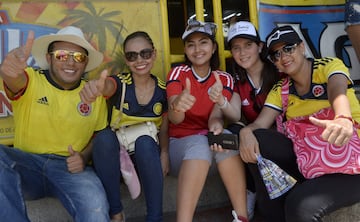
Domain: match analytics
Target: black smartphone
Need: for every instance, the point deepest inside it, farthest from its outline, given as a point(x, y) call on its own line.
point(227, 141)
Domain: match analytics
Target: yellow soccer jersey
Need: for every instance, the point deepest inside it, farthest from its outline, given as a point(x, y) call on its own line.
point(132, 111)
point(317, 97)
point(49, 119)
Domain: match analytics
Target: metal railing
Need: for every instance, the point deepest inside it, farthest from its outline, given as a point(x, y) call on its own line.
point(199, 11)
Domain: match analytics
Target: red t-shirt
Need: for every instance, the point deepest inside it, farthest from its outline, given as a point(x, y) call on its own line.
point(251, 104)
point(196, 119)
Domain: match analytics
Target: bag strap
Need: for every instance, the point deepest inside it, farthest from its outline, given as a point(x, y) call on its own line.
point(122, 99)
point(285, 95)
point(284, 99)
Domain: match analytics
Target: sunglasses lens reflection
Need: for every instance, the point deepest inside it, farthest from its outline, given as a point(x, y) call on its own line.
point(63, 55)
point(79, 57)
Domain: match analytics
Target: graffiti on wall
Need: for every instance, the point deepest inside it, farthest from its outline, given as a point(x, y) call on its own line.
point(321, 27)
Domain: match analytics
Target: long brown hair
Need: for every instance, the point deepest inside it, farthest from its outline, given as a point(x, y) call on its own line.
point(269, 73)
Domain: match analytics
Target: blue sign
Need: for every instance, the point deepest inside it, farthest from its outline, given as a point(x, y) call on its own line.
point(322, 29)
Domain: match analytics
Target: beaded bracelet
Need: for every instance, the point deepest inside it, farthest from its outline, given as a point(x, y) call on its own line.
point(223, 106)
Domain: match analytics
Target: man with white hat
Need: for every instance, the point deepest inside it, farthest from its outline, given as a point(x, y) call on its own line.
point(54, 128)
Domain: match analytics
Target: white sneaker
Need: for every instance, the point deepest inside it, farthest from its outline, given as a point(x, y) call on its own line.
point(235, 216)
point(251, 200)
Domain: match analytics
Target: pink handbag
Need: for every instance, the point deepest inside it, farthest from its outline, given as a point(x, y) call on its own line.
point(127, 168)
point(316, 157)
point(129, 174)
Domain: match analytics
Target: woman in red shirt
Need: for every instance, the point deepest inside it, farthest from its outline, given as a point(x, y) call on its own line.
point(254, 76)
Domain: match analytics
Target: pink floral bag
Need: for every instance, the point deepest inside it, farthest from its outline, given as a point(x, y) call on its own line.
point(316, 157)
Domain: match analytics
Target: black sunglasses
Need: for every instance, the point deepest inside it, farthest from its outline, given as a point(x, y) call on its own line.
point(145, 54)
point(287, 50)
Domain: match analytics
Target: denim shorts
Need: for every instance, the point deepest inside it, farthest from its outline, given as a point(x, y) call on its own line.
point(352, 12)
point(194, 147)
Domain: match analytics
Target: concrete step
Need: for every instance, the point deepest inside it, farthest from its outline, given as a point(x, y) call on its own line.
point(214, 196)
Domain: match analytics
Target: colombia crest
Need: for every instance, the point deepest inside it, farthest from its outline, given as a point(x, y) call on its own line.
point(84, 109)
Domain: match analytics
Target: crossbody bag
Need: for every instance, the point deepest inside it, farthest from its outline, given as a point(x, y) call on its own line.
point(127, 135)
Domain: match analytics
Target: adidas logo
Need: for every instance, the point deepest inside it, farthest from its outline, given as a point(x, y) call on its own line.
point(245, 102)
point(43, 100)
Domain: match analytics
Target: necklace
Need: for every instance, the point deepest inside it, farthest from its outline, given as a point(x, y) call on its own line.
point(144, 94)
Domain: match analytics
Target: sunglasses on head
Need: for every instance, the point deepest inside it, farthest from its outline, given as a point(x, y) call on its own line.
point(195, 25)
point(287, 50)
point(63, 55)
point(145, 54)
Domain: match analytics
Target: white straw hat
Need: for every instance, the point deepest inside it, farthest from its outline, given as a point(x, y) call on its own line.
point(67, 34)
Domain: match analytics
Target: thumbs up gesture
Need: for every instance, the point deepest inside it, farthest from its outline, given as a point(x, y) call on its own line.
point(75, 162)
point(12, 68)
point(337, 131)
point(215, 91)
point(184, 101)
point(94, 88)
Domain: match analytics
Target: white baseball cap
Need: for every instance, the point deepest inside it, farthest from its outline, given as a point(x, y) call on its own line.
point(243, 29)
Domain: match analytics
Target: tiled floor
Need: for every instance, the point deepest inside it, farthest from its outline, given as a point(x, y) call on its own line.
point(209, 215)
